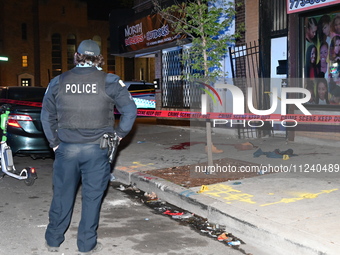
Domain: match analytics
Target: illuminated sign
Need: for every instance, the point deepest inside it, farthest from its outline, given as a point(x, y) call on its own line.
point(146, 32)
point(304, 5)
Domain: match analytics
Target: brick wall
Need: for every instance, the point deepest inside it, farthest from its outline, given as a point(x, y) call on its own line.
point(252, 20)
point(55, 16)
point(240, 20)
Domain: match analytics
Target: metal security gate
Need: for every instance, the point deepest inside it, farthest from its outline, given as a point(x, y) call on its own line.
point(172, 84)
point(177, 92)
point(247, 71)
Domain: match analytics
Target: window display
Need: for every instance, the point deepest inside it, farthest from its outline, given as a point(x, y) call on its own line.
point(322, 58)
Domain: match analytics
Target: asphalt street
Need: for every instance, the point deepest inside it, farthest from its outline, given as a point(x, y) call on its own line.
point(127, 226)
point(294, 211)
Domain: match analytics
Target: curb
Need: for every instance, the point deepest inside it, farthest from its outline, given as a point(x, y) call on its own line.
point(266, 235)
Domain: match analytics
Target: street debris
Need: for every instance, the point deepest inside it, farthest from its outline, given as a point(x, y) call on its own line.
point(132, 188)
point(234, 243)
point(173, 213)
point(112, 177)
point(244, 146)
point(195, 222)
point(262, 172)
point(224, 237)
point(183, 216)
point(237, 183)
point(151, 196)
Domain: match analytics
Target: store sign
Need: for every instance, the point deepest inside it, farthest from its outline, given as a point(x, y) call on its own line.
point(304, 5)
point(146, 32)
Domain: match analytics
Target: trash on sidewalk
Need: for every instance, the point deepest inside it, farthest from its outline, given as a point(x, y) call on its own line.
point(131, 188)
point(121, 187)
point(183, 216)
point(151, 196)
point(233, 243)
point(112, 177)
point(224, 237)
point(262, 172)
point(196, 222)
point(141, 141)
point(274, 154)
point(168, 212)
point(237, 183)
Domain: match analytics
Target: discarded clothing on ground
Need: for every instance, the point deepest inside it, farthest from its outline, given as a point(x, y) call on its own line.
point(274, 154)
point(244, 146)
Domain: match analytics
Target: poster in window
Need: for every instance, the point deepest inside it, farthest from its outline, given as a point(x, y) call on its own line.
point(322, 58)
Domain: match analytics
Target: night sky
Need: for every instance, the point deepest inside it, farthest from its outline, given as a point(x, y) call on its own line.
point(100, 9)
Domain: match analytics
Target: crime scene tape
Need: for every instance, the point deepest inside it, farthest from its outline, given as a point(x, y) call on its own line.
point(140, 103)
point(294, 118)
point(247, 116)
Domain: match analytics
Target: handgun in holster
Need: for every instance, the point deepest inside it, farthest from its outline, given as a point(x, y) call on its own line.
point(110, 141)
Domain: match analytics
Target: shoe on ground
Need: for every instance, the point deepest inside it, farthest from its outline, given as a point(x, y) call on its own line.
point(213, 149)
point(51, 248)
point(96, 249)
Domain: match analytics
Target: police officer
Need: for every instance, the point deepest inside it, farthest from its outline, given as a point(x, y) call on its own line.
point(77, 110)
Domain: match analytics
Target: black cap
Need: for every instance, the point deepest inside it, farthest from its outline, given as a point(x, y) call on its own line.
point(89, 47)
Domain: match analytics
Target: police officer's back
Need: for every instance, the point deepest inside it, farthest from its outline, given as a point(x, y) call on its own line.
point(77, 111)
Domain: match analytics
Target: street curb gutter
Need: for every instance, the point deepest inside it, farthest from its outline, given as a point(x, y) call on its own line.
point(268, 236)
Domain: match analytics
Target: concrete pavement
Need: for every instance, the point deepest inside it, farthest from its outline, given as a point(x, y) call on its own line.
point(292, 211)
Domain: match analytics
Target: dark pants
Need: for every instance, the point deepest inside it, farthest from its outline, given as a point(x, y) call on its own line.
point(74, 163)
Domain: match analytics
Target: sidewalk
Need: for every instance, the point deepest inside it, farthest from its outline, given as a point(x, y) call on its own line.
point(293, 211)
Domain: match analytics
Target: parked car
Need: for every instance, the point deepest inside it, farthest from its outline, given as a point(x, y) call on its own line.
point(143, 93)
point(24, 130)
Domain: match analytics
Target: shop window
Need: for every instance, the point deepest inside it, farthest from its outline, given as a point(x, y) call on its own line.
point(71, 49)
point(279, 17)
point(24, 61)
point(322, 58)
point(56, 55)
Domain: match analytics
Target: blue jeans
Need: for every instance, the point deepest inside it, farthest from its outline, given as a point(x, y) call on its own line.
point(75, 163)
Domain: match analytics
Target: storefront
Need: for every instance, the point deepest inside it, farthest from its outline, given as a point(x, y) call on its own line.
point(314, 62)
point(151, 44)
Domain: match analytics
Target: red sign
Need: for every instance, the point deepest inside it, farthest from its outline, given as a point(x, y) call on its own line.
point(147, 32)
point(294, 6)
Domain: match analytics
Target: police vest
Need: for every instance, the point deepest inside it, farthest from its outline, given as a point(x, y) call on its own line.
point(82, 102)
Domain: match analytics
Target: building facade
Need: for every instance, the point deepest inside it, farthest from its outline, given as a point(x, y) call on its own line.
point(40, 37)
point(314, 46)
point(271, 54)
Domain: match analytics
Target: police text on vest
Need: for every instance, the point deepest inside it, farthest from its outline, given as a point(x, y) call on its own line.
point(81, 88)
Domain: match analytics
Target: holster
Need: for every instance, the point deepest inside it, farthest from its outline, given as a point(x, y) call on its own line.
point(110, 141)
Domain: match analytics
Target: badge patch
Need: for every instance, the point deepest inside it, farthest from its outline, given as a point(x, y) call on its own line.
point(121, 83)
